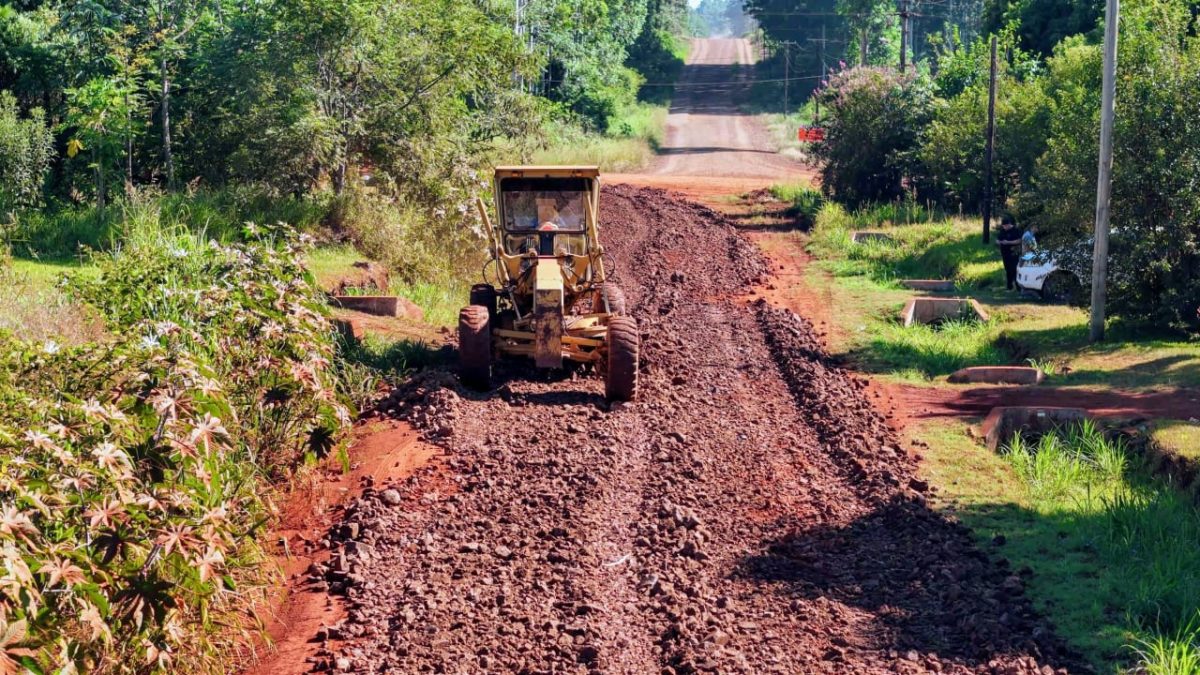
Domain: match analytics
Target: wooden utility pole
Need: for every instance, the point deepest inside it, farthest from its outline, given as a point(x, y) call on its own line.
point(990, 151)
point(1104, 179)
point(904, 14)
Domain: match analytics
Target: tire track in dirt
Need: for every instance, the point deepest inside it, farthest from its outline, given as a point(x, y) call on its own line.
point(751, 513)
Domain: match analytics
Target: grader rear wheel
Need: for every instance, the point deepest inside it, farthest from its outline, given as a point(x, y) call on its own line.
point(475, 347)
point(621, 380)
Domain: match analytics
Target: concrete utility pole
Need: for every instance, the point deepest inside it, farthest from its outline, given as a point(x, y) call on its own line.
point(1104, 179)
point(904, 14)
point(990, 151)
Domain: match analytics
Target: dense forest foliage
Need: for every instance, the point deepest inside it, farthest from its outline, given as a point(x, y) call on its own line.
point(297, 95)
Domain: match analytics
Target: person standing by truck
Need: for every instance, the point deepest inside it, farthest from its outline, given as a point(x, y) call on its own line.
point(1009, 240)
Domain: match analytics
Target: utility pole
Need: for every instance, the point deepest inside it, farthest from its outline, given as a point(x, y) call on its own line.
point(816, 101)
point(904, 14)
point(990, 151)
point(787, 72)
point(1104, 180)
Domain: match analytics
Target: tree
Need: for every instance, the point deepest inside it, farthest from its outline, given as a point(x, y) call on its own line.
point(1154, 263)
point(874, 118)
point(98, 116)
point(26, 146)
point(172, 23)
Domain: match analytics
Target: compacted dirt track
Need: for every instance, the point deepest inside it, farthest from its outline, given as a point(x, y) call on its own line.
point(708, 133)
point(751, 513)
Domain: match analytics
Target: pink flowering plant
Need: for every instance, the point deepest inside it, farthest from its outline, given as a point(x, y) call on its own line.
point(133, 469)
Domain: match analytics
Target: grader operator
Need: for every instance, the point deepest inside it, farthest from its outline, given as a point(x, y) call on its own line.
point(545, 294)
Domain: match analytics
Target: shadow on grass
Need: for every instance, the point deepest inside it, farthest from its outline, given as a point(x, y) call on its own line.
point(927, 585)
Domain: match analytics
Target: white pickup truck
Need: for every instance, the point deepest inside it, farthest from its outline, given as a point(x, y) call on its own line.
point(1038, 271)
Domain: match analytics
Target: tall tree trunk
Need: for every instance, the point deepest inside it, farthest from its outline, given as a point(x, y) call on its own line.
point(168, 160)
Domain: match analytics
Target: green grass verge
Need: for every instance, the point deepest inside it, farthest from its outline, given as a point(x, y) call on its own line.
point(1111, 551)
point(862, 283)
point(630, 143)
point(1180, 437)
point(439, 300)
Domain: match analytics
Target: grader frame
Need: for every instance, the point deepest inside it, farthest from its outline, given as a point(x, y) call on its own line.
point(544, 265)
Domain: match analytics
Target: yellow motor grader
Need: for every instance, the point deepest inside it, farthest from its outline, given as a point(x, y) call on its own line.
point(545, 294)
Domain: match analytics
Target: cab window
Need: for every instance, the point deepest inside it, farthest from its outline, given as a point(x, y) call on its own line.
point(544, 204)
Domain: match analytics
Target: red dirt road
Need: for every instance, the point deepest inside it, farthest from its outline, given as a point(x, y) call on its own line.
point(751, 513)
point(708, 134)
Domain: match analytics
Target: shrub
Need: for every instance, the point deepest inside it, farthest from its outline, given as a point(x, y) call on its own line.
point(952, 148)
point(873, 119)
point(130, 482)
point(26, 148)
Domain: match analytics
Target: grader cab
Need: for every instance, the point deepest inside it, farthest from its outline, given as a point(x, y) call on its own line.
point(545, 296)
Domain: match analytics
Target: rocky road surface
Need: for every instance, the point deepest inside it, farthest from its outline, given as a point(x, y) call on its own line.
point(751, 513)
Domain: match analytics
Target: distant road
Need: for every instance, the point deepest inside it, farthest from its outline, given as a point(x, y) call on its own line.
point(707, 132)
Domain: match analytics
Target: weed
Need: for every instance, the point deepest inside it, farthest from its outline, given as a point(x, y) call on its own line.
point(806, 201)
point(1176, 654)
point(1140, 536)
point(926, 351)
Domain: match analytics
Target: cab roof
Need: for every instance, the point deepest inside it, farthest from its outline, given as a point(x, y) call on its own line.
point(547, 172)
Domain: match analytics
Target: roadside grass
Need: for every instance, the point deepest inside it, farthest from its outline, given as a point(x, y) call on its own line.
point(629, 144)
point(1180, 437)
point(862, 284)
point(34, 306)
point(806, 201)
point(440, 300)
point(61, 231)
point(1107, 552)
point(783, 128)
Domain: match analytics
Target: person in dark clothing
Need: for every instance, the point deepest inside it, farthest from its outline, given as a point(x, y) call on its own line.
point(1009, 241)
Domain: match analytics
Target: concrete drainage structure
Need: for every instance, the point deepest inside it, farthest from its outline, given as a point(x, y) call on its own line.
point(998, 375)
point(931, 285)
point(380, 305)
point(933, 310)
point(866, 236)
point(1003, 423)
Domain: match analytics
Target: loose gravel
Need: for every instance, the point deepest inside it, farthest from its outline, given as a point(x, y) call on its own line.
point(751, 513)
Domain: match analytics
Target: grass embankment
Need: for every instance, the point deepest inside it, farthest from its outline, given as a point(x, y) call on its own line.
point(862, 282)
point(1108, 552)
point(630, 143)
point(439, 300)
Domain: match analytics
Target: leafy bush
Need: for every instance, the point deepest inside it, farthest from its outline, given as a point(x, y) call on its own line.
point(26, 147)
point(129, 495)
point(1155, 259)
point(952, 148)
point(873, 120)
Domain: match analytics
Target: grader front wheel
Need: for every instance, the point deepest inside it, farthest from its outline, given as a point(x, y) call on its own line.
point(621, 380)
point(610, 299)
point(475, 346)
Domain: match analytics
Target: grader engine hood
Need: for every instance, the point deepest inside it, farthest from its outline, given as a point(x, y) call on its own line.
point(548, 310)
